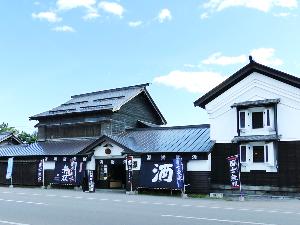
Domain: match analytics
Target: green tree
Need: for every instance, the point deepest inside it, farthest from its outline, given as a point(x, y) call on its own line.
point(4, 127)
point(28, 138)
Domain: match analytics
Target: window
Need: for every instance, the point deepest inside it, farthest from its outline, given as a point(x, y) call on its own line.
point(242, 119)
point(267, 153)
point(268, 118)
point(243, 153)
point(258, 154)
point(257, 120)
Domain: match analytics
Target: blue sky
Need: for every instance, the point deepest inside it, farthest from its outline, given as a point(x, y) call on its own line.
point(50, 50)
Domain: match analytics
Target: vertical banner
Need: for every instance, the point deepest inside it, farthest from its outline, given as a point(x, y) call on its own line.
point(40, 171)
point(69, 172)
point(9, 168)
point(130, 170)
point(178, 166)
point(91, 181)
point(234, 170)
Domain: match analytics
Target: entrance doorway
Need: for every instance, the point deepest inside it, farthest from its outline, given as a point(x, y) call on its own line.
point(110, 174)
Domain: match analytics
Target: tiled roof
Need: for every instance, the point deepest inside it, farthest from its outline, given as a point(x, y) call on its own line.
point(111, 99)
point(250, 138)
point(6, 135)
point(264, 102)
point(241, 74)
point(48, 148)
point(167, 139)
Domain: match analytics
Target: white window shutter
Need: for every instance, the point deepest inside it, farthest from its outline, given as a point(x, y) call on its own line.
point(271, 153)
point(249, 154)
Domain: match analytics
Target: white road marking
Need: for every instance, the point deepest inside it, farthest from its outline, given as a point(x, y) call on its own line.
point(117, 200)
point(91, 198)
point(131, 201)
point(215, 207)
point(18, 201)
point(157, 203)
point(21, 193)
point(217, 220)
point(12, 223)
point(78, 197)
point(171, 204)
point(103, 199)
point(51, 195)
point(36, 194)
point(66, 196)
point(186, 205)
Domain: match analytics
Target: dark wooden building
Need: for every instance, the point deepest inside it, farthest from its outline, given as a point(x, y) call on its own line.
point(97, 131)
point(255, 114)
point(103, 112)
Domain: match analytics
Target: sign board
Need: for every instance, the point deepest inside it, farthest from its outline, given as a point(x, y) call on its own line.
point(234, 170)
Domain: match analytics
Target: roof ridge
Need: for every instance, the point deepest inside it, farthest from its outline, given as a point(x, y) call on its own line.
point(110, 90)
point(171, 127)
point(241, 74)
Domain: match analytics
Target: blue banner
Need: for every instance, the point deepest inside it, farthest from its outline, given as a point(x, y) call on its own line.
point(160, 175)
point(69, 172)
point(9, 168)
point(178, 167)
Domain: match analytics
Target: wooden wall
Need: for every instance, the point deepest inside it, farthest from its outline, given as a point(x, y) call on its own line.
point(139, 108)
point(288, 175)
point(24, 172)
point(199, 182)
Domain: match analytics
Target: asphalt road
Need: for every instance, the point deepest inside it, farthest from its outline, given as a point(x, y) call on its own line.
point(25, 206)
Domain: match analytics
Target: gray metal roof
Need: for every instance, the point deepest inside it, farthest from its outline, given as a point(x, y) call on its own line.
point(112, 100)
point(48, 148)
point(252, 138)
point(6, 135)
point(145, 140)
point(256, 103)
point(167, 139)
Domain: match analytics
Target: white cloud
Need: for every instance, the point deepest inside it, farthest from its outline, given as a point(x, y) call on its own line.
point(72, 4)
point(261, 5)
point(164, 14)
point(49, 16)
point(266, 56)
point(91, 15)
point(195, 82)
point(285, 14)
point(135, 23)
point(64, 29)
point(204, 16)
point(219, 59)
point(112, 7)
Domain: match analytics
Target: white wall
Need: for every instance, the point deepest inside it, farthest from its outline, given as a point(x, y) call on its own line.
point(256, 86)
point(99, 151)
point(49, 165)
point(199, 165)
